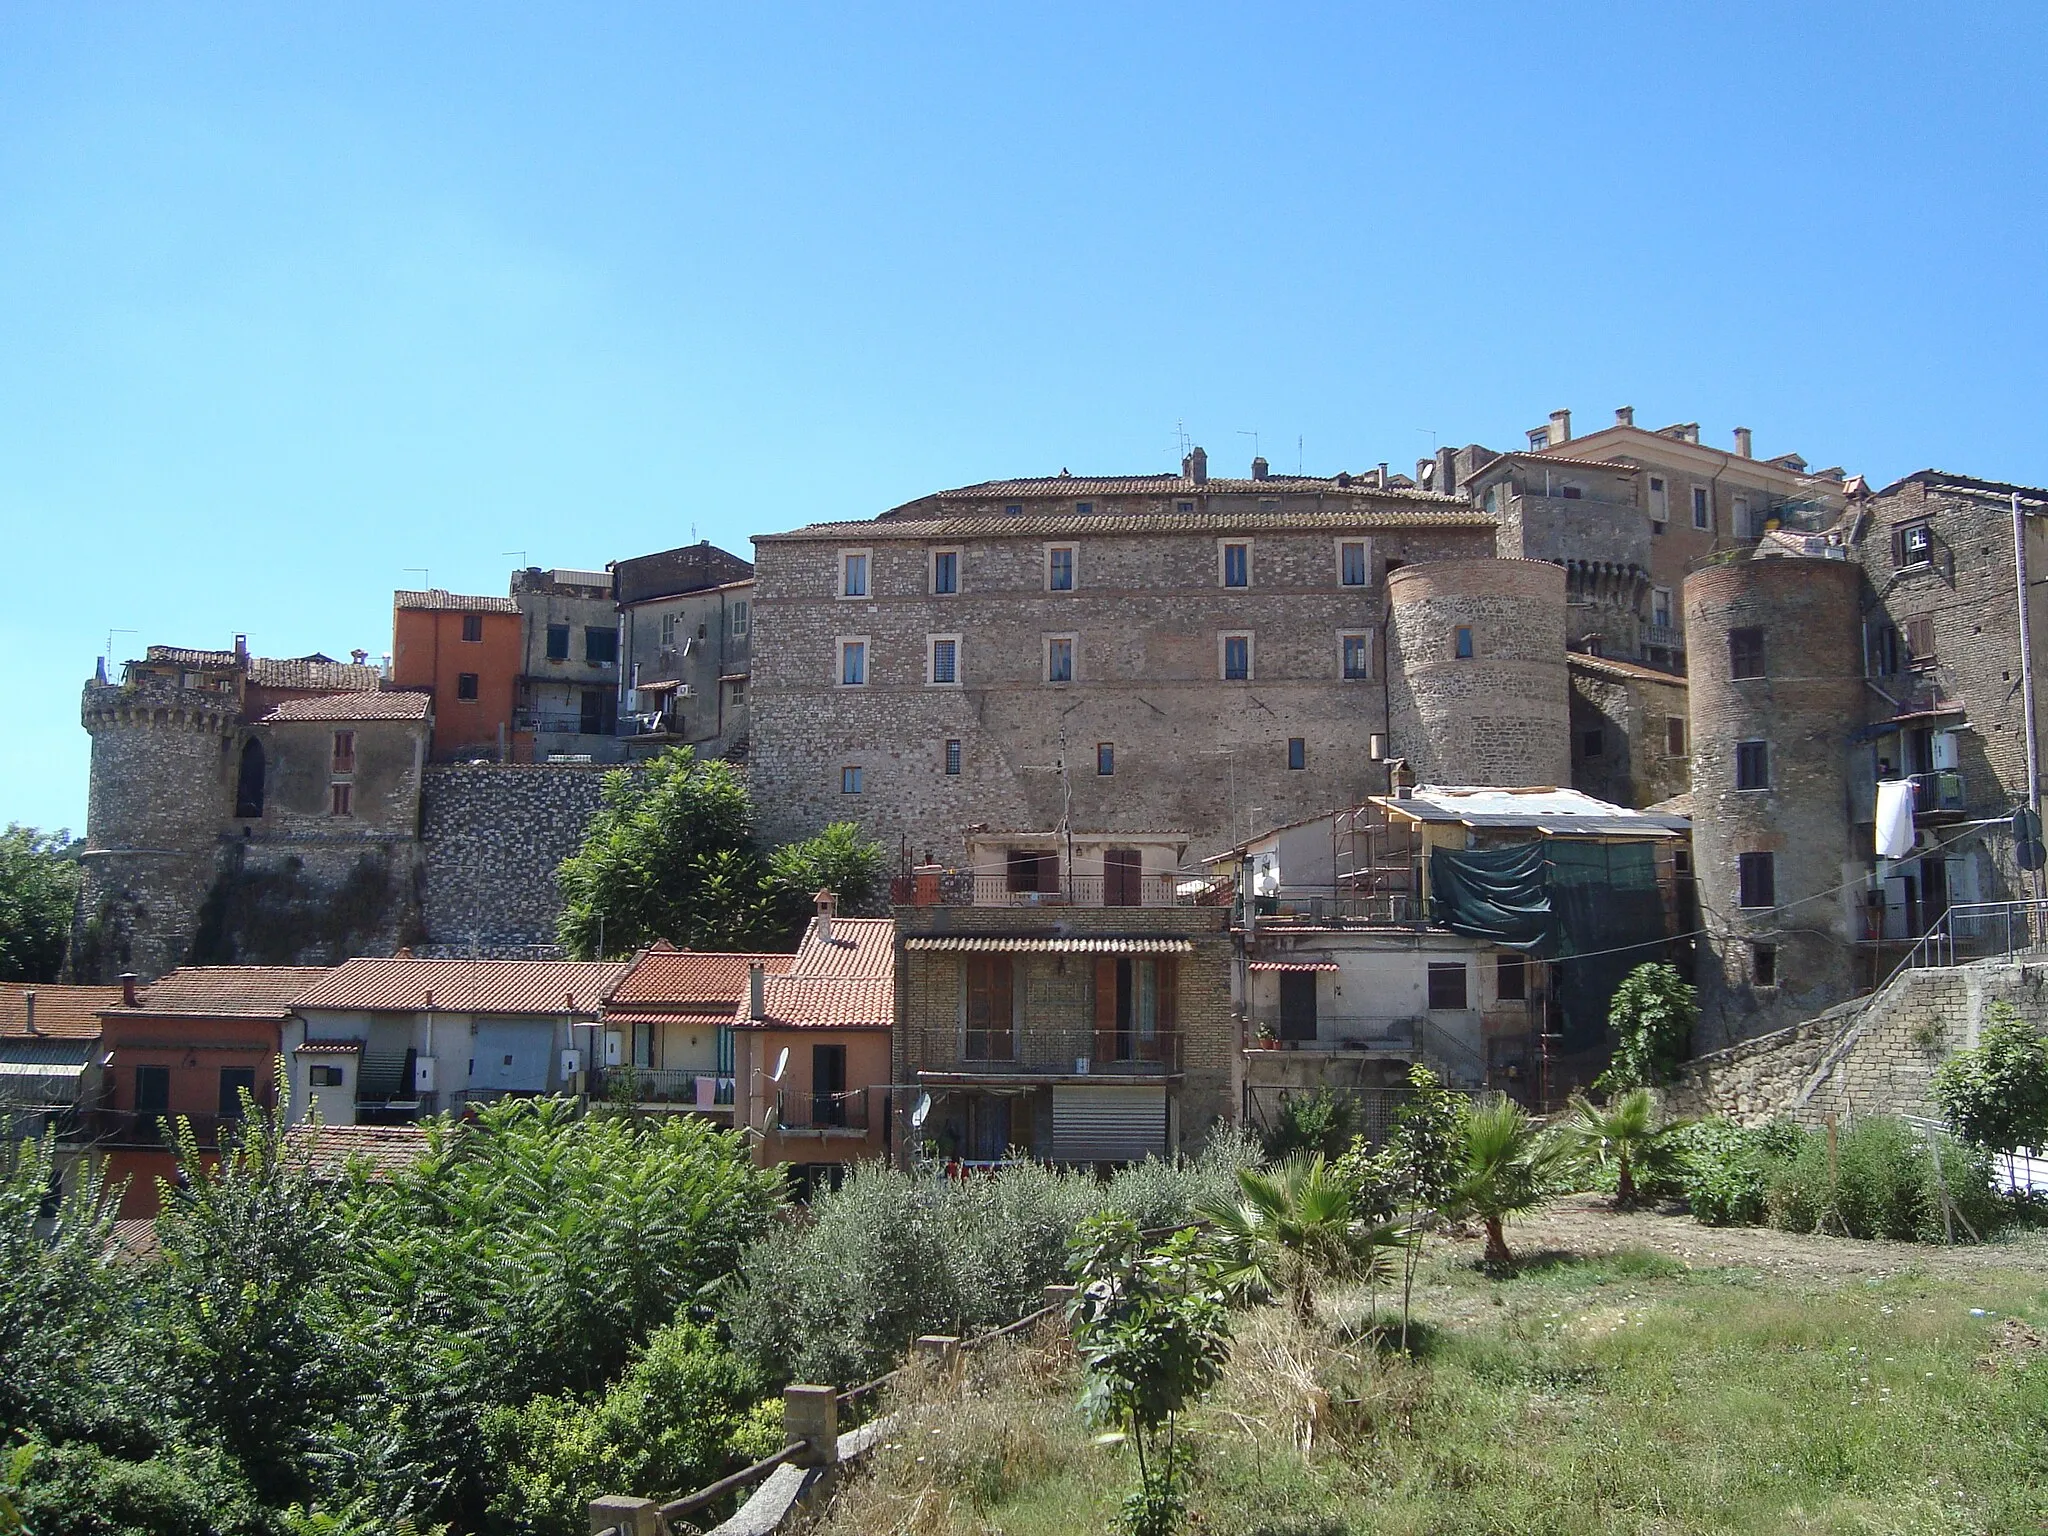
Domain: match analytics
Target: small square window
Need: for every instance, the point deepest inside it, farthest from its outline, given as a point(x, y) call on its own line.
point(1237, 658)
point(850, 780)
point(1059, 568)
point(600, 644)
point(1539, 439)
point(1297, 752)
point(1756, 879)
point(1752, 765)
point(341, 799)
point(945, 661)
point(1059, 658)
point(1763, 964)
point(853, 663)
point(1674, 736)
point(1511, 978)
point(1447, 988)
point(1354, 566)
point(1184, 506)
point(558, 638)
point(1356, 650)
point(1746, 652)
point(1237, 564)
point(1916, 545)
point(953, 756)
point(1592, 743)
point(945, 572)
point(1462, 643)
point(325, 1077)
point(853, 573)
point(1085, 508)
point(466, 685)
point(472, 626)
point(1105, 758)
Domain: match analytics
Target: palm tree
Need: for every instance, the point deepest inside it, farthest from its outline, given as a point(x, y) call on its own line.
point(1629, 1133)
point(1505, 1170)
point(1290, 1229)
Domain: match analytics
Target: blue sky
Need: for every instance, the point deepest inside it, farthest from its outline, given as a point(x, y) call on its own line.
point(293, 298)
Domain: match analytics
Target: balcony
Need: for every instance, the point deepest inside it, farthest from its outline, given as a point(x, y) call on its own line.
point(1058, 1053)
point(1663, 637)
point(822, 1111)
point(152, 1127)
point(1393, 909)
point(957, 888)
point(1938, 794)
point(645, 1087)
point(545, 724)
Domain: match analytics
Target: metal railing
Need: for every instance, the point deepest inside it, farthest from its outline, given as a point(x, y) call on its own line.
point(152, 1127)
point(822, 1111)
point(1978, 930)
point(1358, 1032)
point(561, 725)
point(958, 888)
point(1938, 792)
point(649, 1085)
point(1063, 1053)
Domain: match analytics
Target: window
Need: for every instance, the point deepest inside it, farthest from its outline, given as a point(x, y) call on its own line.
point(742, 615)
point(1763, 964)
point(1660, 500)
point(1571, 492)
point(1184, 506)
point(1297, 752)
point(1746, 652)
point(465, 685)
point(850, 780)
point(1757, 879)
point(1354, 563)
point(1031, 869)
point(600, 644)
point(1235, 560)
point(340, 799)
point(1539, 439)
point(945, 572)
point(152, 1090)
point(1236, 657)
point(1738, 518)
point(1914, 545)
point(1013, 509)
point(853, 662)
point(326, 1077)
point(1592, 743)
point(558, 638)
point(942, 668)
point(1660, 607)
point(1674, 736)
point(1447, 984)
point(953, 756)
point(597, 712)
point(1752, 765)
point(1702, 506)
point(1920, 642)
point(1884, 650)
point(1105, 758)
point(344, 751)
point(1355, 651)
point(643, 1046)
point(1085, 508)
point(232, 1081)
point(737, 687)
point(1059, 568)
point(1461, 643)
point(988, 1007)
point(472, 626)
point(1059, 658)
point(853, 573)
point(1511, 978)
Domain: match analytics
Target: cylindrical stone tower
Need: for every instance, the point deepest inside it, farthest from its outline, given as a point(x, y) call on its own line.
point(160, 789)
point(1476, 682)
point(1774, 659)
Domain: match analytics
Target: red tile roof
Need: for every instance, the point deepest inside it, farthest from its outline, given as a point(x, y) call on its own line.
point(1435, 512)
point(1071, 487)
point(381, 1150)
point(466, 986)
point(313, 672)
point(665, 976)
point(62, 1013)
point(848, 982)
point(223, 991)
point(453, 602)
point(1614, 667)
point(861, 949)
point(354, 706)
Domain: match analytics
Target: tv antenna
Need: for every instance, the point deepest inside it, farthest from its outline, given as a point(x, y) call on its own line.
point(426, 576)
point(1180, 433)
point(110, 641)
point(507, 553)
point(1241, 432)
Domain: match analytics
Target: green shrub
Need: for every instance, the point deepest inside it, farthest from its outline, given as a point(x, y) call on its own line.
point(1724, 1169)
point(1325, 1121)
point(1884, 1184)
point(77, 1490)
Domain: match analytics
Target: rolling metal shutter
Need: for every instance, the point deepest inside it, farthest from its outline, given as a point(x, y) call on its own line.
point(1112, 1124)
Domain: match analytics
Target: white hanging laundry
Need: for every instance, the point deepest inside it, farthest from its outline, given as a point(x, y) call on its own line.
point(1894, 818)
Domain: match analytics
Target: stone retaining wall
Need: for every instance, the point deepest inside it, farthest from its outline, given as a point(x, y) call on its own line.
point(493, 835)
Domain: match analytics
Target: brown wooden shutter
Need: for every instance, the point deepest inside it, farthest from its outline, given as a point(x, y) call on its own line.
point(1105, 1009)
point(1169, 1011)
point(1003, 1027)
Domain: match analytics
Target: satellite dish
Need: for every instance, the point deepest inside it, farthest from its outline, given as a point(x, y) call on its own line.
point(919, 1110)
point(781, 1066)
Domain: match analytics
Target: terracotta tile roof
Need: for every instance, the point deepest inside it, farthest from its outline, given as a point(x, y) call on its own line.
point(466, 986)
point(223, 991)
point(354, 706)
point(861, 949)
point(62, 1013)
point(680, 977)
point(381, 1150)
point(1617, 466)
point(1436, 512)
point(1629, 669)
point(313, 672)
point(453, 602)
point(846, 982)
point(329, 1047)
point(178, 655)
point(1081, 488)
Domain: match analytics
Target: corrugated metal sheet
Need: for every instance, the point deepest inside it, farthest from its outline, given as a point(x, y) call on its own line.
point(467, 986)
point(961, 944)
point(1110, 1124)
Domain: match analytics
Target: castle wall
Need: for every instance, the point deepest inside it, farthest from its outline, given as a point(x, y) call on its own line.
point(492, 836)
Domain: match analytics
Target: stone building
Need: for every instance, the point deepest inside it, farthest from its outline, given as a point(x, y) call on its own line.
point(464, 650)
point(566, 698)
point(686, 622)
point(1872, 665)
point(1086, 679)
point(1630, 731)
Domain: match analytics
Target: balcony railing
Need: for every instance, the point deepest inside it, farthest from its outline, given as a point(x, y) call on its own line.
point(682, 1089)
point(1345, 1031)
point(954, 888)
point(1061, 1053)
point(822, 1111)
point(1938, 794)
point(1664, 637)
point(560, 725)
point(1392, 910)
point(152, 1127)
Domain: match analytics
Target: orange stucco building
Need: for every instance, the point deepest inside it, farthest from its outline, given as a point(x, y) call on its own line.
point(465, 651)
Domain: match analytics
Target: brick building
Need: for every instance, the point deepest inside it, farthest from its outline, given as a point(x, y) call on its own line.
point(686, 625)
point(1160, 663)
point(465, 651)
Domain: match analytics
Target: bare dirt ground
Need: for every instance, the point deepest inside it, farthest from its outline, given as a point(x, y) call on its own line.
point(1586, 1224)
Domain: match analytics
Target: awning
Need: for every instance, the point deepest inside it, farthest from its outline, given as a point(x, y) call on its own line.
point(668, 687)
point(962, 945)
point(70, 1070)
point(1292, 965)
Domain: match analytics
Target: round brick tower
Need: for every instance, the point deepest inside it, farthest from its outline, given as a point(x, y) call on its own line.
point(161, 786)
point(1476, 682)
point(1774, 657)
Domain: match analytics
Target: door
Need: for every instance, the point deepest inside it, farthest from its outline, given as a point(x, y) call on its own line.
point(1297, 1005)
point(512, 1057)
point(828, 1085)
point(152, 1097)
point(1123, 872)
point(233, 1080)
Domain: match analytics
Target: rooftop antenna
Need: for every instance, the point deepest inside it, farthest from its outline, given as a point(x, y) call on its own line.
point(1430, 433)
point(426, 576)
point(1241, 432)
point(110, 641)
point(1180, 432)
point(1297, 453)
point(504, 553)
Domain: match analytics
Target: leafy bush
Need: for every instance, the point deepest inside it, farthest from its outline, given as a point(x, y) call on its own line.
point(1652, 1016)
point(79, 1490)
point(1325, 1121)
point(1885, 1185)
point(1997, 1094)
point(1723, 1171)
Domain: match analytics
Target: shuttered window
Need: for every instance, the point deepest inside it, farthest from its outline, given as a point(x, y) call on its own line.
point(991, 998)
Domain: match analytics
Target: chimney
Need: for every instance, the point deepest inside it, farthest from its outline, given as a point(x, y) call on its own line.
point(1560, 427)
point(1446, 472)
point(128, 990)
point(1385, 478)
point(358, 657)
point(242, 651)
point(1259, 468)
point(757, 991)
point(1425, 473)
point(28, 1013)
point(828, 904)
point(1197, 466)
point(1624, 415)
point(1742, 443)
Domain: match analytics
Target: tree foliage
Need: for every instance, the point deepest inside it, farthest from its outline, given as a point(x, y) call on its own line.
point(1628, 1136)
point(1291, 1230)
point(1996, 1094)
point(1506, 1167)
point(1325, 1121)
point(1652, 1017)
point(38, 888)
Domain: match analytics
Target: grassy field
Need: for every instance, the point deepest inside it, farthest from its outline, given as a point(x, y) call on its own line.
point(1620, 1392)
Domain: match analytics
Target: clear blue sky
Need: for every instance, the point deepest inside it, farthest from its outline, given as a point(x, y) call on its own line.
point(295, 297)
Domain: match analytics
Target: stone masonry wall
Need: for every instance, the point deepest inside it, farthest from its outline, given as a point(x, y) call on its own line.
point(493, 836)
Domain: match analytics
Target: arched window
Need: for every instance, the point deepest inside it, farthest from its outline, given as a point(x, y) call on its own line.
point(249, 782)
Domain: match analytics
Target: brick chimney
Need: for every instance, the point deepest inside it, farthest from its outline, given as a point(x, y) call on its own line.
point(757, 991)
point(1742, 449)
point(1259, 467)
point(1560, 427)
point(1195, 467)
point(128, 990)
point(28, 1013)
point(828, 907)
point(1446, 472)
point(1624, 415)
